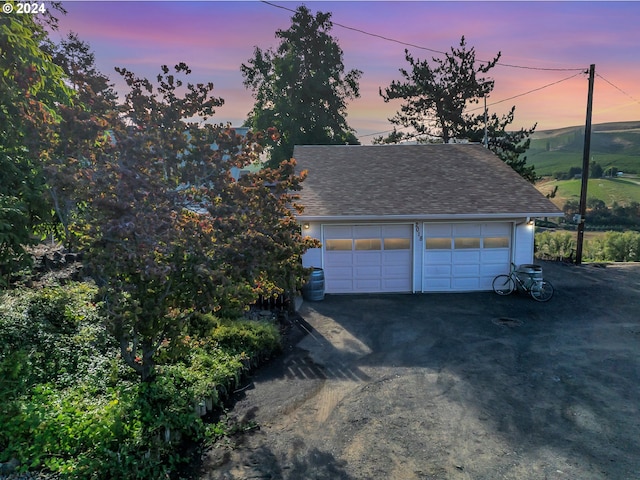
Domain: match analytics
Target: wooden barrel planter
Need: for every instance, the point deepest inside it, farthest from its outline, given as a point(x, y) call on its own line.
point(313, 290)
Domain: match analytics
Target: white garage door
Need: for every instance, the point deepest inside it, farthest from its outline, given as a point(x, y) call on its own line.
point(367, 258)
point(464, 256)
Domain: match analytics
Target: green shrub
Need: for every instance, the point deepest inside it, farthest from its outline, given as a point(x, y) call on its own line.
point(611, 247)
point(72, 407)
point(594, 250)
point(52, 335)
point(251, 337)
point(622, 246)
point(119, 435)
point(554, 244)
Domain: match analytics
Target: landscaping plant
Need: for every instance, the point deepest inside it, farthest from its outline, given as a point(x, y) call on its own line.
point(70, 406)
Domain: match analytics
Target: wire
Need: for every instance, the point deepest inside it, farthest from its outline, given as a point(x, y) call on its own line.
point(618, 88)
point(495, 103)
point(527, 93)
point(383, 132)
point(419, 47)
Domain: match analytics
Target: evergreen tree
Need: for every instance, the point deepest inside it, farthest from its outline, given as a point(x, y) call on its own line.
point(302, 88)
point(436, 99)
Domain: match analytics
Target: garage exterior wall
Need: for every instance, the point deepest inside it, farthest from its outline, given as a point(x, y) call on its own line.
point(524, 239)
point(521, 244)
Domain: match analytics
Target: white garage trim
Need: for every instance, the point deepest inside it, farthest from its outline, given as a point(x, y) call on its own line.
point(368, 258)
point(465, 256)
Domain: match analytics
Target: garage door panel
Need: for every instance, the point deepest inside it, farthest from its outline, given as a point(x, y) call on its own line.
point(443, 270)
point(464, 283)
point(495, 255)
point(472, 270)
point(486, 282)
point(368, 284)
point(338, 231)
point(379, 258)
point(396, 257)
point(400, 231)
point(366, 231)
point(371, 271)
point(396, 284)
point(480, 252)
point(338, 259)
point(467, 230)
point(438, 257)
point(340, 285)
point(493, 270)
point(466, 256)
point(496, 229)
point(394, 271)
point(367, 258)
point(439, 230)
point(438, 284)
point(338, 272)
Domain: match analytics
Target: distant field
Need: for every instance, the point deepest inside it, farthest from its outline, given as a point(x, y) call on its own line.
point(548, 163)
point(612, 145)
point(609, 190)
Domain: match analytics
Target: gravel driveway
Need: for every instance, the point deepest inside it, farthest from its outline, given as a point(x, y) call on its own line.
point(452, 386)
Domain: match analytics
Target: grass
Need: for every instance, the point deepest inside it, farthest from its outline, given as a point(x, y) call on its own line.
point(612, 145)
point(549, 163)
point(620, 190)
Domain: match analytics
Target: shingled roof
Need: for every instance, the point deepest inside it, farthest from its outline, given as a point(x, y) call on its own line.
point(428, 181)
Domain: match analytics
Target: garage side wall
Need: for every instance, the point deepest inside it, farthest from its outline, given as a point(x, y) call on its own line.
point(313, 256)
point(523, 244)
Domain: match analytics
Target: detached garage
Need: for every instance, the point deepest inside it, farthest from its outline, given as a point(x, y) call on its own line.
point(415, 218)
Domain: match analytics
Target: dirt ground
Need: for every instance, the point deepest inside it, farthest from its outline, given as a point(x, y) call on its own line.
point(452, 386)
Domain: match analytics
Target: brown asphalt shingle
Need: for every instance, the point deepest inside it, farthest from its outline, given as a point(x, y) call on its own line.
point(418, 180)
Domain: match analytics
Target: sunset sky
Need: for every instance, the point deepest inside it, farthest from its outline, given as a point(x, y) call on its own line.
point(215, 38)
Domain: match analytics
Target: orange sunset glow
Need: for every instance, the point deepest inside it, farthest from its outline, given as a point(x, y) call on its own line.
point(546, 48)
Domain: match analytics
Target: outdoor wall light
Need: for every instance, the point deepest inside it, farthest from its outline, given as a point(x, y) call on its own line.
point(306, 226)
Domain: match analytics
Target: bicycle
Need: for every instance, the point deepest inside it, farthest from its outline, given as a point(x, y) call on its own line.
point(540, 290)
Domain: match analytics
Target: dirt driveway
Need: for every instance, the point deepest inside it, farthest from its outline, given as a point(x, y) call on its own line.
point(453, 386)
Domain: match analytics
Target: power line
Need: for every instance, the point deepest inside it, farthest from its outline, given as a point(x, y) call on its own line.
point(388, 39)
point(499, 101)
point(383, 132)
point(618, 88)
point(419, 47)
point(527, 93)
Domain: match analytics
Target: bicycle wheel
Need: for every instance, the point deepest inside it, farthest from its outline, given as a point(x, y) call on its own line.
point(503, 285)
point(542, 291)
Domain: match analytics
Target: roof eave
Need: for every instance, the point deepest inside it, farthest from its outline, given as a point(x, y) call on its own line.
point(427, 217)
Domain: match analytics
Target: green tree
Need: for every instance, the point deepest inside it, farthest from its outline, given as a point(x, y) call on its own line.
point(436, 105)
point(84, 128)
point(509, 145)
point(31, 90)
point(133, 208)
point(302, 87)
point(167, 231)
point(596, 170)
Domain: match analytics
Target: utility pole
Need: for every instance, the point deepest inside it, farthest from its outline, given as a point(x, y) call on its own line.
point(486, 136)
point(585, 167)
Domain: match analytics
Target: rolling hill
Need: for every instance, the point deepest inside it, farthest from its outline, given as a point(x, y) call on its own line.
point(612, 145)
